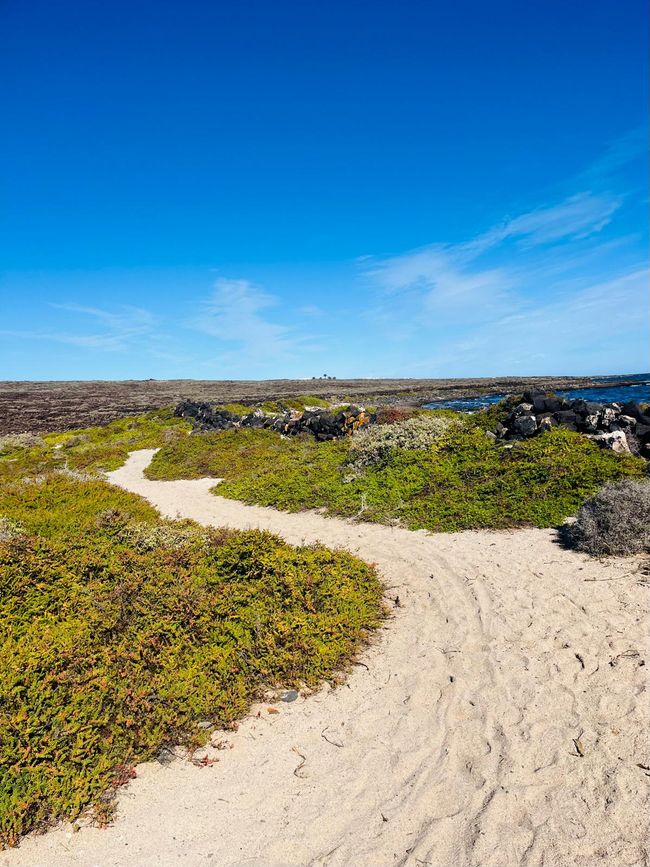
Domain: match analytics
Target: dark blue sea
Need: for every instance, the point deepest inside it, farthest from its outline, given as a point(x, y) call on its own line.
point(639, 392)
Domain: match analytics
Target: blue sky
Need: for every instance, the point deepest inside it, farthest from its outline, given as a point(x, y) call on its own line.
point(261, 190)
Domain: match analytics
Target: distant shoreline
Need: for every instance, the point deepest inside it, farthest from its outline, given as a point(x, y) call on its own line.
point(63, 405)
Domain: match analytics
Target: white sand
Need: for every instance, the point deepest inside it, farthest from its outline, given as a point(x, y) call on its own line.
point(454, 747)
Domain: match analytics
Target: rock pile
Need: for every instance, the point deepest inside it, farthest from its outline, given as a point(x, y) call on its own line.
point(324, 425)
point(621, 427)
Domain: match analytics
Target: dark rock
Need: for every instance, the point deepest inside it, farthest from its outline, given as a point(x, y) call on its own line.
point(581, 407)
point(553, 404)
point(253, 420)
point(524, 425)
point(567, 418)
point(633, 409)
point(643, 432)
point(539, 403)
point(590, 422)
point(624, 422)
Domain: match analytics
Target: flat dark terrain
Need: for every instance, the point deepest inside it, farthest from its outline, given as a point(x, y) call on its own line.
point(54, 406)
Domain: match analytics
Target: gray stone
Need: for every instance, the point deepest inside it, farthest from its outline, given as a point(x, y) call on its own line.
point(608, 415)
point(624, 422)
point(525, 425)
point(546, 422)
point(614, 440)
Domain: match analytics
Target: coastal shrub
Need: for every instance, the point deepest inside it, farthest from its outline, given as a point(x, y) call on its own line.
point(616, 520)
point(299, 403)
point(464, 480)
point(121, 632)
point(91, 450)
point(60, 506)
point(10, 530)
point(374, 444)
point(240, 409)
point(488, 417)
point(237, 452)
point(394, 414)
point(16, 442)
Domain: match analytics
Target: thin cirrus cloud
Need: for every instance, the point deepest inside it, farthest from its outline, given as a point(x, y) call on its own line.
point(445, 270)
point(561, 284)
point(236, 313)
point(578, 333)
point(113, 331)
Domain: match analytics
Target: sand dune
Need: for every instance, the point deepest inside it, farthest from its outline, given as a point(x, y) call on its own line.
point(500, 719)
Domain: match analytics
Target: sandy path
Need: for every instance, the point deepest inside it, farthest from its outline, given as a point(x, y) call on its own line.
point(454, 747)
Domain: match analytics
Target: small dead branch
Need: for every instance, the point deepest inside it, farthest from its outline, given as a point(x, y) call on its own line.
point(577, 743)
point(325, 738)
point(302, 763)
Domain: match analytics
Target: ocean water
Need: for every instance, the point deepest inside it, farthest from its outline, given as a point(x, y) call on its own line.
point(638, 392)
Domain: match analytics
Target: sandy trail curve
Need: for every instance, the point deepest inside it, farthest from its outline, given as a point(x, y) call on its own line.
point(458, 746)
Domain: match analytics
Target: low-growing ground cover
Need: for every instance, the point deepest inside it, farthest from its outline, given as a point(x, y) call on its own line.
point(463, 480)
point(90, 450)
point(121, 632)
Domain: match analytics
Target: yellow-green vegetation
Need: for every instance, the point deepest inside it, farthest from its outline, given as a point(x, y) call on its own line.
point(276, 407)
point(463, 480)
point(122, 634)
point(91, 450)
point(295, 403)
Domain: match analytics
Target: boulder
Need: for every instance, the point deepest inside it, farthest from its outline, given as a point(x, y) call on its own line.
point(643, 432)
point(553, 404)
point(624, 422)
point(524, 425)
point(614, 440)
point(607, 416)
point(546, 422)
point(591, 423)
point(579, 406)
point(633, 409)
point(539, 403)
point(567, 418)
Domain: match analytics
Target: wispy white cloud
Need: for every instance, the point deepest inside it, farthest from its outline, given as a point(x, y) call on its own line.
point(118, 329)
point(589, 331)
point(620, 153)
point(545, 281)
point(236, 313)
point(578, 216)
